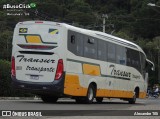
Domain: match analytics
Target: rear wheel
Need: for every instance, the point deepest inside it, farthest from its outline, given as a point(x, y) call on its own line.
point(90, 94)
point(49, 99)
point(99, 99)
point(79, 100)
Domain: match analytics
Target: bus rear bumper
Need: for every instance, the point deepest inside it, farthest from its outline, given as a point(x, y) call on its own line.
point(55, 88)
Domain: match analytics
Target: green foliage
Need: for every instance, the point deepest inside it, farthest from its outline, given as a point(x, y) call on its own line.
point(80, 18)
point(6, 89)
point(123, 35)
point(6, 44)
point(132, 20)
point(79, 6)
point(5, 78)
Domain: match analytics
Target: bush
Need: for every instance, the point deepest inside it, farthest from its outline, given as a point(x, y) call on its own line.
point(6, 89)
point(5, 78)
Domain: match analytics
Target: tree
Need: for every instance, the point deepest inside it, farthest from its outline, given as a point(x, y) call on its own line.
point(6, 44)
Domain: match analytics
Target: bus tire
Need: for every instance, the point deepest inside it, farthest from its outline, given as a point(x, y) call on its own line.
point(90, 94)
point(133, 100)
point(99, 99)
point(49, 99)
point(79, 100)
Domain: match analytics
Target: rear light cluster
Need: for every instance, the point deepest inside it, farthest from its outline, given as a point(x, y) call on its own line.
point(59, 71)
point(13, 69)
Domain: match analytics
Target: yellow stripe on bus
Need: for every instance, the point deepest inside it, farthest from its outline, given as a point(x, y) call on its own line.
point(91, 69)
point(33, 39)
point(54, 32)
point(72, 87)
point(142, 94)
point(118, 93)
point(114, 93)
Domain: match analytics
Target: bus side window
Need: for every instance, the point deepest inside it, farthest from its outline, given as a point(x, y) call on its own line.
point(143, 61)
point(121, 55)
point(80, 44)
point(129, 57)
point(143, 64)
point(111, 52)
point(72, 41)
point(137, 61)
point(101, 50)
point(133, 59)
point(90, 47)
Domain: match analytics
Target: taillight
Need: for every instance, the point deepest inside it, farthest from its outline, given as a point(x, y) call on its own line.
point(13, 69)
point(59, 70)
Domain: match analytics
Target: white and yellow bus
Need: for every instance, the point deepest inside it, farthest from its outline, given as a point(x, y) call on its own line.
point(55, 60)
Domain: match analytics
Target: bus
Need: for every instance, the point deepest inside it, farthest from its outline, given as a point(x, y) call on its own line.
point(55, 60)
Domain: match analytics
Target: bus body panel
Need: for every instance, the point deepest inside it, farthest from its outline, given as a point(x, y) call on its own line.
point(35, 67)
point(108, 85)
point(37, 48)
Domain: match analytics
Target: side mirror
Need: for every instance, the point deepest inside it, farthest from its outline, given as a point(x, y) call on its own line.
point(151, 64)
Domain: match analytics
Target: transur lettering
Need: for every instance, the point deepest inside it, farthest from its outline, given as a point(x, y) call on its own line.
point(24, 59)
point(120, 73)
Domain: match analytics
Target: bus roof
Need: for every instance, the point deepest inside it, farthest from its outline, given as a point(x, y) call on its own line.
point(97, 34)
point(104, 36)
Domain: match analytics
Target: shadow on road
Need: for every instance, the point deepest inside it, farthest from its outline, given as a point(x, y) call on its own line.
point(94, 103)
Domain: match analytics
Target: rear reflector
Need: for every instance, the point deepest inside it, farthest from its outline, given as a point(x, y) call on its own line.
point(59, 70)
point(40, 47)
point(39, 22)
point(13, 69)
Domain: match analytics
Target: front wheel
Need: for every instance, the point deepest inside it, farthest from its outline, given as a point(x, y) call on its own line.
point(99, 99)
point(90, 94)
point(49, 99)
point(133, 100)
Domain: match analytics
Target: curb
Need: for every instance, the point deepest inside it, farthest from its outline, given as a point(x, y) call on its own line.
point(20, 98)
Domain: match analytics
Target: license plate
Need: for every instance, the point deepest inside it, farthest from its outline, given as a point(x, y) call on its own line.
point(34, 77)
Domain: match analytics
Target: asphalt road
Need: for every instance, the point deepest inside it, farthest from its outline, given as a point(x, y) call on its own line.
point(68, 104)
point(65, 104)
